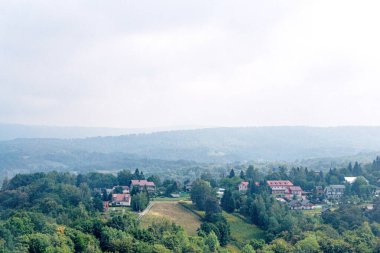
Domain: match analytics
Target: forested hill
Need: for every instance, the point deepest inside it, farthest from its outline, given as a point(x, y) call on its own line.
point(219, 144)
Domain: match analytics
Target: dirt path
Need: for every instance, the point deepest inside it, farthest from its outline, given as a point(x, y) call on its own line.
point(146, 210)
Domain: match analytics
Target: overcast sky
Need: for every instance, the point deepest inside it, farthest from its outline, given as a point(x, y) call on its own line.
point(156, 63)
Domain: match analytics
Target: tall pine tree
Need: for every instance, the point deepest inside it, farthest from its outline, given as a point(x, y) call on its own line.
point(232, 173)
point(227, 202)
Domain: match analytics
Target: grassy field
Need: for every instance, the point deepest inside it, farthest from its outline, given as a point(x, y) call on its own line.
point(183, 197)
point(241, 231)
point(172, 211)
point(312, 212)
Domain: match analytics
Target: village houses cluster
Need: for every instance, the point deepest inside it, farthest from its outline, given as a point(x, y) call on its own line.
point(285, 191)
point(124, 197)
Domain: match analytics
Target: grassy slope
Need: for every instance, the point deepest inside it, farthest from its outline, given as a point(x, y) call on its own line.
point(172, 211)
point(241, 231)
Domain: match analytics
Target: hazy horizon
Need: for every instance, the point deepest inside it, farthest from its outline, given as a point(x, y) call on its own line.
point(150, 64)
point(179, 127)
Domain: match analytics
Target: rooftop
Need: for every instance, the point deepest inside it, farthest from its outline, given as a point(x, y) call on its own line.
point(120, 197)
point(142, 183)
point(279, 183)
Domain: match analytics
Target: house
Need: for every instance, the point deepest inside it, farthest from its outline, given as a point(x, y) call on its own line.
point(141, 184)
point(279, 187)
point(285, 188)
point(319, 190)
point(220, 192)
point(293, 191)
point(334, 192)
point(281, 200)
point(350, 180)
point(122, 199)
point(188, 187)
point(125, 189)
point(243, 186)
point(301, 205)
point(377, 193)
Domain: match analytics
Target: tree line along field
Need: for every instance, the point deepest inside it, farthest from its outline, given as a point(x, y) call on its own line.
point(186, 215)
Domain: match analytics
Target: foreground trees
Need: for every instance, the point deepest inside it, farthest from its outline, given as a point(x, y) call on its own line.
point(200, 192)
point(59, 212)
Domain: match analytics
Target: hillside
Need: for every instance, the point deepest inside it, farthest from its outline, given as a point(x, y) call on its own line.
point(173, 152)
point(220, 144)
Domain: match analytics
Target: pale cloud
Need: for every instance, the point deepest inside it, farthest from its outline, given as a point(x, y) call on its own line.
point(170, 63)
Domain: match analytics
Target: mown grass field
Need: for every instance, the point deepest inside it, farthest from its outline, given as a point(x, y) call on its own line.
point(241, 231)
point(172, 211)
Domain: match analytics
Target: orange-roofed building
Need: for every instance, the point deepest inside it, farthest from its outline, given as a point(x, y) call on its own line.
point(141, 184)
point(122, 199)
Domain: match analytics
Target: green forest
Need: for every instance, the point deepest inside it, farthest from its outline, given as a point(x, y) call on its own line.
point(64, 212)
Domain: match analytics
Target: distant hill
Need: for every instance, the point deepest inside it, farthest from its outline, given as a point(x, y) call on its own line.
point(219, 144)
point(17, 131)
point(14, 131)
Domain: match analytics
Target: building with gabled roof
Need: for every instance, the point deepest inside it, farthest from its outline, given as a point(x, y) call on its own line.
point(122, 199)
point(285, 188)
point(243, 186)
point(334, 192)
point(141, 184)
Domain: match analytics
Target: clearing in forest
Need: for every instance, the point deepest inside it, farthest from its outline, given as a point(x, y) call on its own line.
point(241, 231)
point(172, 211)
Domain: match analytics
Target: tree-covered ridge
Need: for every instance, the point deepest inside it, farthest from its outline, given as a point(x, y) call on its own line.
point(60, 212)
point(63, 212)
point(347, 226)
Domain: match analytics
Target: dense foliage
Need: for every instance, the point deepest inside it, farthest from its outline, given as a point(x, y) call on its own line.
point(60, 212)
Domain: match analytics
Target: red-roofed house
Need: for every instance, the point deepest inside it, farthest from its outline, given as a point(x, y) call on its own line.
point(150, 186)
point(293, 191)
point(243, 186)
point(122, 199)
point(285, 188)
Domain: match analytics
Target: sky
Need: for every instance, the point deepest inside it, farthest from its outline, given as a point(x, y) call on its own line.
point(139, 64)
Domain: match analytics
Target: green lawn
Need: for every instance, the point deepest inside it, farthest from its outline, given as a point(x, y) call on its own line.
point(241, 231)
point(183, 197)
point(119, 209)
point(175, 212)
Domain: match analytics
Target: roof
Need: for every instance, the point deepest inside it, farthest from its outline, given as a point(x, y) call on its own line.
point(295, 188)
point(142, 183)
point(279, 183)
point(121, 186)
point(244, 183)
point(297, 203)
point(350, 179)
point(120, 197)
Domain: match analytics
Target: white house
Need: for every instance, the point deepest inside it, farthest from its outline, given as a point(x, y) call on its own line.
point(243, 186)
